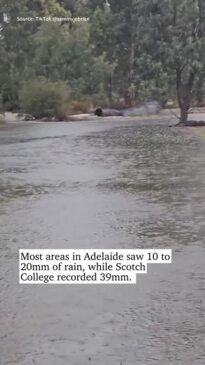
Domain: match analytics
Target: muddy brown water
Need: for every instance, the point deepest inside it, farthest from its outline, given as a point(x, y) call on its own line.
point(114, 184)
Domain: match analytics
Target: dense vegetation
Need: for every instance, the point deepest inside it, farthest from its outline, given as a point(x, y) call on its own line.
point(129, 51)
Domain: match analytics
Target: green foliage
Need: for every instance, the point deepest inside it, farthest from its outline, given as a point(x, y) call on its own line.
point(100, 98)
point(43, 98)
point(100, 30)
point(134, 50)
point(66, 54)
point(173, 33)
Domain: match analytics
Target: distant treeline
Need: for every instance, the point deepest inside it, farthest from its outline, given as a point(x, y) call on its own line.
point(111, 53)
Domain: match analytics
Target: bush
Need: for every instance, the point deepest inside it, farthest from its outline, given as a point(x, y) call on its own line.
point(101, 99)
point(43, 98)
point(80, 106)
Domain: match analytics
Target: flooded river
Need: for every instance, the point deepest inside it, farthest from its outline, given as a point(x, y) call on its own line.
point(112, 185)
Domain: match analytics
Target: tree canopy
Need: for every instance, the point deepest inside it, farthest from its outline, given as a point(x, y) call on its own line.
point(125, 52)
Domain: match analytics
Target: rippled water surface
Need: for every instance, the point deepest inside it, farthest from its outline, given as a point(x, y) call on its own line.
point(103, 185)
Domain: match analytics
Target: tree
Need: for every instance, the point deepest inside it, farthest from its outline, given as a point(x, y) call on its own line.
point(173, 33)
point(16, 43)
point(137, 50)
point(43, 98)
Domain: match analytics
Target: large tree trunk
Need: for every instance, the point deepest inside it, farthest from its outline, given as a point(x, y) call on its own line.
point(184, 112)
point(184, 91)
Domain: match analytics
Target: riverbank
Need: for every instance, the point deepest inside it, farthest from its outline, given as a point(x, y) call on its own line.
point(171, 115)
point(12, 118)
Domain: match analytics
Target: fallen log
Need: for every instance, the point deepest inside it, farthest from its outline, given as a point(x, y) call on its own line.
point(108, 112)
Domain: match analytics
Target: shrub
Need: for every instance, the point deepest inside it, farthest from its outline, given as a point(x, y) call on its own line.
point(101, 99)
point(43, 98)
point(80, 106)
